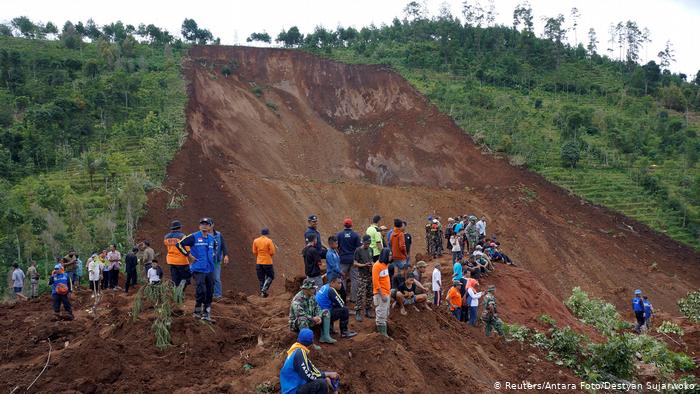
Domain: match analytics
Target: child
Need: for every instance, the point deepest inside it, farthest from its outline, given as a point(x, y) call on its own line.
point(454, 299)
point(648, 313)
point(437, 285)
point(60, 289)
point(154, 273)
point(95, 268)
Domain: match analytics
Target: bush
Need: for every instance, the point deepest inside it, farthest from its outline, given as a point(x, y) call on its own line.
point(613, 357)
point(597, 313)
point(570, 154)
point(668, 327)
point(690, 306)
point(515, 332)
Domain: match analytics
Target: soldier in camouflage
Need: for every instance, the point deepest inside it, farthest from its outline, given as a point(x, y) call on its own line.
point(304, 312)
point(362, 268)
point(472, 233)
point(490, 313)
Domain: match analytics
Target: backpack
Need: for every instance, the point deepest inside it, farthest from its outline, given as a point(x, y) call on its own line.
point(61, 289)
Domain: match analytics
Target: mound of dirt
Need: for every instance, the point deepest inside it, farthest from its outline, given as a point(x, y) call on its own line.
point(289, 134)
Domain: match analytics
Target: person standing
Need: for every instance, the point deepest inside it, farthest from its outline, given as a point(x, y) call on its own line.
point(398, 246)
point(78, 272)
point(299, 375)
point(456, 248)
point(94, 266)
point(18, 281)
point(131, 262)
point(148, 255)
point(115, 259)
point(68, 262)
point(362, 279)
point(648, 313)
point(454, 298)
point(312, 228)
point(155, 273)
point(220, 257)
point(408, 239)
point(472, 233)
point(34, 277)
point(105, 269)
point(264, 249)
point(490, 313)
point(381, 290)
point(60, 290)
point(481, 227)
point(202, 247)
point(473, 301)
point(437, 284)
point(373, 231)
point(312, 261)
point(333, 262)
point(638, 309)
point(348, 242)
point(179, 265)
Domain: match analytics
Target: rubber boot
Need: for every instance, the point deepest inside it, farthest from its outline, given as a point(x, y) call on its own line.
point(197, 312)
point(266, 285)
point(326, 336)
point(206, 315)
point(383, 331)
point(358, 315)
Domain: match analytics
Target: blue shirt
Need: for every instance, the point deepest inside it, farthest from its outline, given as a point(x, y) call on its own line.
point(458, 227)
point(348, 242)
point(332, 264)
point(647, 309)
point(202, 248)
point(297, 370)
point(638, 304)
point(328, 298)
point(57, 279)
point(457, 271)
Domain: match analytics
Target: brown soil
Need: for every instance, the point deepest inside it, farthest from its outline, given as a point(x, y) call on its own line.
point(335, 140)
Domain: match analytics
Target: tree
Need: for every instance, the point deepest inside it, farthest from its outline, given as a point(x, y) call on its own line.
point(635, 39)
point(70, 37)
point(523, 14)
point(262, 37)
point(570, 154)
point(50, 28)
point(189, 30)
point(575, 14)
point(132, 197)
point(291, 37)
point(25, 26)
point(92, 31)
point(5, 30)
point(667, 55)
point(554, 29)
point(473, 13)
point(491, 14)
point(414, 11)
point(592, 42)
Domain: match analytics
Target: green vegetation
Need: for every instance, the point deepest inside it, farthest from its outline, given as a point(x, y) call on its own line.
point(163, 297)
point(612, 360)
point(690, 306)
point(85, 130)
point(615, 132)
point(669, 327)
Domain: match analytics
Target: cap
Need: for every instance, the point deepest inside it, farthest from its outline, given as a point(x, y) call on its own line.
point(308, 284)
point(478, 247)
point(57, 267)
point(175, 225)
point(347, 222)
point(208, 221)
point(265, 231)
point(456, 282)
point(421, 264)
point(366, 239)
point(435, 220)
point(306, 336)
point(491, 288)
point(312, 218)
point(637, 291)
point(430, 217)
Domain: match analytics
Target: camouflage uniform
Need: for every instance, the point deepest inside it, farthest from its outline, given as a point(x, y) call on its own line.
point(364, 290)
point(472, 234)
point(428, 239)
point(490, 315)
point(302, 310)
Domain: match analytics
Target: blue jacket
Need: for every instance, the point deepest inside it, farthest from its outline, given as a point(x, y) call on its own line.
point(55, 279)
point(332, 264)
point(221, 249)
point(202, 249)
point(297, 369)
point(457, 271)
point(348, 242)
point(328, 298)
point(638, 304)
point(647, 309)
point(458, 227)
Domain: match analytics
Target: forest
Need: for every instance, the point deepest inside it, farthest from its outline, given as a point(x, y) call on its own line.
point(91, 115)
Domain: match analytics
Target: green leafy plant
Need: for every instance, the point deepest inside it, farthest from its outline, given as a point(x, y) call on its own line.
point(690, 306)
point(600, 314)
point(547, 320)
point(162, 297)
point(668, 327)
point(515, 332)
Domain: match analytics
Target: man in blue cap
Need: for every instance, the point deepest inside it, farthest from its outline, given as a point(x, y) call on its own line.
point(201, 253)
point(312, 221)
point(60, 288)
point(638, 308)
point(298, 373)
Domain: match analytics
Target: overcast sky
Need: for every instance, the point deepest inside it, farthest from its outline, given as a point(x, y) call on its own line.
point(233, 21)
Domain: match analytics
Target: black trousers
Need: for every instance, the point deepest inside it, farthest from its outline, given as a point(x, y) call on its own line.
point(205, 288)
point(105, 279)
point(178, 273)
point(113, 278)
point(341, 314)
point(264, 271)
point(130, 280)
point(59, 299)
point(316, 386)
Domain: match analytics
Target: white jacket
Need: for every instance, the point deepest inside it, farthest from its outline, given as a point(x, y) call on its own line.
point(455, 244)
point(474, 296)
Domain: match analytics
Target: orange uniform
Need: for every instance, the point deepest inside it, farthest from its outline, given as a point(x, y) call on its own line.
point(454, 297)
point(263, 249)
point(398, 245)
point(174, 257)
point(380, 279)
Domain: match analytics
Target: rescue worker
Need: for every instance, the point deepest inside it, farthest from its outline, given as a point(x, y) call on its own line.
point(312, 228)
point(348, 242)
point(179, 264)
point(377, 242)
point(220, 257)
point(490, 314)
point(638, 309)
point(472, 233)
point(333, 306)
point(381, 290)
point(304, 311)
point(202, 246)
point(362, 271)
point(60, 289)
point(264, 249)
point(299, 375)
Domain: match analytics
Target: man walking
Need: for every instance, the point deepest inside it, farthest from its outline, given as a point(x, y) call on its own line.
point(312, 261)
point(348, 242)
point(362, 279)
point(220, 257)
point(373, 231)
point(638, 309)
point(264, 249)
point(179, 264)
point(202, 247)
point(131, 262)
point(490, 314)
point(60, 288)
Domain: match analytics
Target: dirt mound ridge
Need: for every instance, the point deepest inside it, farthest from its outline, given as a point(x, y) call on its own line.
point(289, 134)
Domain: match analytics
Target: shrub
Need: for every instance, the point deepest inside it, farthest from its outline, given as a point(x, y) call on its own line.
point(515, 332)
point(597, 313)
point(570, 154)
point(613, 357)
point(547, 320)
point(257, 91)
point(669, 327)
point(690, 306)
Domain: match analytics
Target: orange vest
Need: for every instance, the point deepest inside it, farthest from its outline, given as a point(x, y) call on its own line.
point(174, 256)
point(263, 249)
